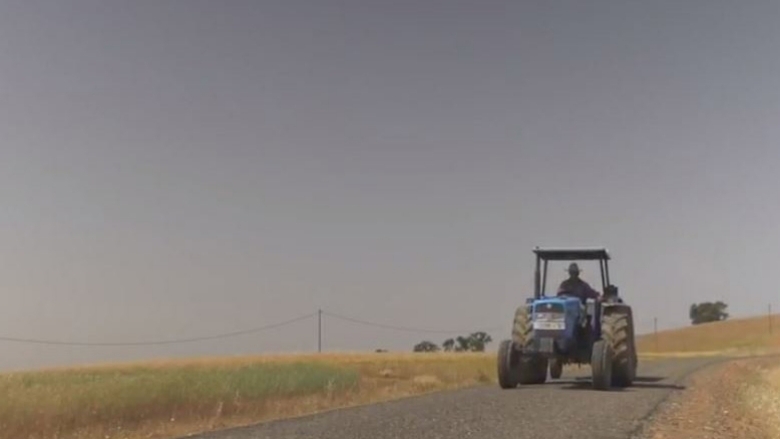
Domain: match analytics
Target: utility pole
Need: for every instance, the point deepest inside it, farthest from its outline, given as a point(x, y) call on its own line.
point(769, 312)
point(655, 332)
point(319, 330)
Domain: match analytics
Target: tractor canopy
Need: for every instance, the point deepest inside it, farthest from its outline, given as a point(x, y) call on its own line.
point(545, 255)
point(573, 254)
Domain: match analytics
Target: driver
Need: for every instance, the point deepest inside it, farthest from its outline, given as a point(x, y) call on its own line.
point(576, 286)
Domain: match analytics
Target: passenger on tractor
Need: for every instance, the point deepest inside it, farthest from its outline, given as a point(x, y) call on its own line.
point(577, 287)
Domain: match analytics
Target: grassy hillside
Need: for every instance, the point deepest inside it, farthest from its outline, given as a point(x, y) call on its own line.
point(748, 334)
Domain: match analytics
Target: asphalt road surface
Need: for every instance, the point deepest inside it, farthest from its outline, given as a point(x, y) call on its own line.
point(559, 409)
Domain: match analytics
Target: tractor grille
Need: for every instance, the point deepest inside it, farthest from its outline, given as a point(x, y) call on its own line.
point(549, 308)
point(549, 317)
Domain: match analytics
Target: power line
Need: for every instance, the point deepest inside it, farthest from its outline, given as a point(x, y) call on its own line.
point(318, 314)
point(401, 328)
point(159, 342)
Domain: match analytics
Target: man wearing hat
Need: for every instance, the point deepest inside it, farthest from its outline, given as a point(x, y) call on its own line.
point(576, 286)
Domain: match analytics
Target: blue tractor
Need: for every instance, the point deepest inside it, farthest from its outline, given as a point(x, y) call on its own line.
point(549, 332)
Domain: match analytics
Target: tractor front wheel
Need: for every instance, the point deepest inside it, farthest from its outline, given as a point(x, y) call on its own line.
point(507, 365)
point(540, 365)
point(601, 365)
point(556, 368)
point(531, 369)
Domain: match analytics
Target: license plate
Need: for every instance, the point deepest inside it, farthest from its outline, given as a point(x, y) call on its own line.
point(550, 326)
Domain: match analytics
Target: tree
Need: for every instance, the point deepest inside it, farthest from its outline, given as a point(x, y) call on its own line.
point(478, 341)
point(426, 346)
point(448, 345)
point(474, 342)
point(463, 343)
point(708, 312)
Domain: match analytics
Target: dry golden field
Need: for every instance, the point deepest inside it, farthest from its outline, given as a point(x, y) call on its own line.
point(174, 398)
point(163, 399)
point(738, 336)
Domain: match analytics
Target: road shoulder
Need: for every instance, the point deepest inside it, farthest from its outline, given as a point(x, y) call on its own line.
point(734, 399)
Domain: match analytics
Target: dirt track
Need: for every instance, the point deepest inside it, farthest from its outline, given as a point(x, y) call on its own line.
point(565, 408)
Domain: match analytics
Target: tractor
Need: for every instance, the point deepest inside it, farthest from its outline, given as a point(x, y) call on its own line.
point(549, 332)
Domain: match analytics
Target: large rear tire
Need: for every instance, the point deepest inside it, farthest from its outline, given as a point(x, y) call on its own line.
point(531, 369)
point(507, 368)
point(601, 365)
point(616, 329)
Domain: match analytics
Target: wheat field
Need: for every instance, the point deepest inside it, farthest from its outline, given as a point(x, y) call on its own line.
point(172, 398)
point(165, 399)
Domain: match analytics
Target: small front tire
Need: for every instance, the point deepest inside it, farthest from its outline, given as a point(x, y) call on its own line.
point(556, 369)
point(507, 368)
point(601, 365)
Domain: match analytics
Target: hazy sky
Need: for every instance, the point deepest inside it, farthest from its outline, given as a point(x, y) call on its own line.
point(177, 169)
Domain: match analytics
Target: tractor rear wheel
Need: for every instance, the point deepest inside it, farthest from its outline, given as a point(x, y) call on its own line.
point(531, 369)
point(601, 365)
point(507, 365)
point(556, 368)
point(617, 331)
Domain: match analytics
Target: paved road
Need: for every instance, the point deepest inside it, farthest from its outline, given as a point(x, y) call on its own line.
point(561, 409)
